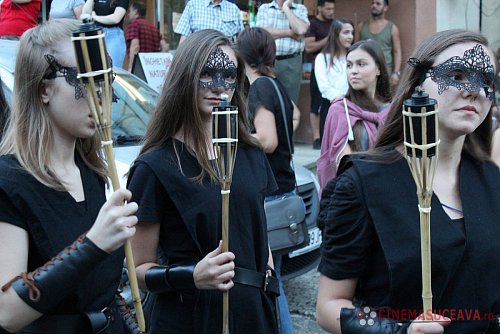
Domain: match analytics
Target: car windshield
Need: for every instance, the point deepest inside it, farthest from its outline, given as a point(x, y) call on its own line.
point(133, 108)
point(135, 102)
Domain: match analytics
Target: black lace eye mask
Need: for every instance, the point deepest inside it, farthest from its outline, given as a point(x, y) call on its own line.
point(220, 71)
point(473, 72)
point(70, 74)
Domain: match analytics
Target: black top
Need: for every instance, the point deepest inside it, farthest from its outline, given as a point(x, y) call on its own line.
point(372, 233)
point(53, 220)
point(105, 7)
point(262, 93)
point(190, 227)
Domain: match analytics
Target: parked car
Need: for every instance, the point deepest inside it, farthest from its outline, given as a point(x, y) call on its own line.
point(130, 115)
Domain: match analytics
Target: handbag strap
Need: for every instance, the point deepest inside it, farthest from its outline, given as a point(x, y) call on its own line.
point(282, 106)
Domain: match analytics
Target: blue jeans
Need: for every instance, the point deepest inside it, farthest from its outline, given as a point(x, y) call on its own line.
point(286, 326)
point(115, 43)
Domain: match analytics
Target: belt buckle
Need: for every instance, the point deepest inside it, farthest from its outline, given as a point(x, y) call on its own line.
point(107, 313)
point(266, 281)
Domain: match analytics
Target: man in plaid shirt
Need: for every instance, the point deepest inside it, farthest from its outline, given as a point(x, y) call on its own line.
point(288, 23)
point(220, 15)
point(141, 35)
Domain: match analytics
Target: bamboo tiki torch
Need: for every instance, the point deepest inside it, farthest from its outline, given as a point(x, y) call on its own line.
point(225, 142)
point(421, 140)
point(95, 72)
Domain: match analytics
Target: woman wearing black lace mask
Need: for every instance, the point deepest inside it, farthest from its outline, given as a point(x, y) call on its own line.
point(60, 240)
point(370, 266)
point(175, 184)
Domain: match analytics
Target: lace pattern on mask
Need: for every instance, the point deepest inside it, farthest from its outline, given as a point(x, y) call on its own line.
point(220, 71)
point(70, 74)
point(473, 72)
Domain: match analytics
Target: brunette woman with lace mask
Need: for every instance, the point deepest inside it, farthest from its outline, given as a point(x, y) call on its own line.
point(370, 265)
point(174, 181)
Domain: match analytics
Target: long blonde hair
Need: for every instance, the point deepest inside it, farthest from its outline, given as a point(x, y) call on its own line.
point(29, 133)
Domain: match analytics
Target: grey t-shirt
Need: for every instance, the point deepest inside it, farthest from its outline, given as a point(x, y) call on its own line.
point(60, 9)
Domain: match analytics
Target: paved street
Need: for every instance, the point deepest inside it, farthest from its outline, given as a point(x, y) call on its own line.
point(301, 293)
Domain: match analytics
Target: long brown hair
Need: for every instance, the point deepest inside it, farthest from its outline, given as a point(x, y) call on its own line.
point(177, 107)
point(29, 133)
point(478, 143)
point(382, 89)
point(333, 46)
point(258, 49)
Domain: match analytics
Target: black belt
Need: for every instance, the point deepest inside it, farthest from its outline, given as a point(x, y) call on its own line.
point(93, 322)
point(264, 281)
point(288, 56)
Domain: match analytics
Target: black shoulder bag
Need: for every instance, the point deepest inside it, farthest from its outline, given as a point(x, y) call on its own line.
point(286, 224)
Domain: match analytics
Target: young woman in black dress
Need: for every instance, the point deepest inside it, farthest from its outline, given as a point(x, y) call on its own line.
point(60, 240)
point(175, 184)
point(371, 241)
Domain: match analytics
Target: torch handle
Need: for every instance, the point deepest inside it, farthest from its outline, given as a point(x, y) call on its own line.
point(134, 286)
point(225, 248)
point(425, 240)
point(129, 256)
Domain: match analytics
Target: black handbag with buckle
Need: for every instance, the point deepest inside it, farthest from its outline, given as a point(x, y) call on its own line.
point(286, 224)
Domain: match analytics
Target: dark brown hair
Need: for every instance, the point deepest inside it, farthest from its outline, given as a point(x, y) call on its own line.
point(258, 49)
point(177, 108)
point(333, 46)
point(322, 2)
point(478, 143)
point(382, 90)
point(139, 8)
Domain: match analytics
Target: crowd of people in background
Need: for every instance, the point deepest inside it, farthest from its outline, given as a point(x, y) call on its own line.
point(359, 81)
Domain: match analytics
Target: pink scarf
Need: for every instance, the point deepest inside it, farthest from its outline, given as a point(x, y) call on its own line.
point(335, 135)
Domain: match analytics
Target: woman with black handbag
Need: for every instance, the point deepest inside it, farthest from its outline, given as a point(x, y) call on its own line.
point(273, 116)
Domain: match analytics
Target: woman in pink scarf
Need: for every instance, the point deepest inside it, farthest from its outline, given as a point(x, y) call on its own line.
point(352, 123)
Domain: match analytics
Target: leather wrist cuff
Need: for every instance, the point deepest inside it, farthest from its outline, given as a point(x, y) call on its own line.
point(170, 278)
point(46, 286)
point(129, 319)
point(366, 321)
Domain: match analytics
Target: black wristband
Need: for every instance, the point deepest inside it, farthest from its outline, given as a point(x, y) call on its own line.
point(170, 278)
point(47, 286)
point(361, 321)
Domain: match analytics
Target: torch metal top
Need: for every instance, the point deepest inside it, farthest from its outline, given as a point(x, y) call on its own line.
point(224, 100)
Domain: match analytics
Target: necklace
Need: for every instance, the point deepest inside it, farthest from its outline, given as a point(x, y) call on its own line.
point(452, 208)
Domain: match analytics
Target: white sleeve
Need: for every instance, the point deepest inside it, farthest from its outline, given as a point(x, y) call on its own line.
point(337, 81)
point(320, 72)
